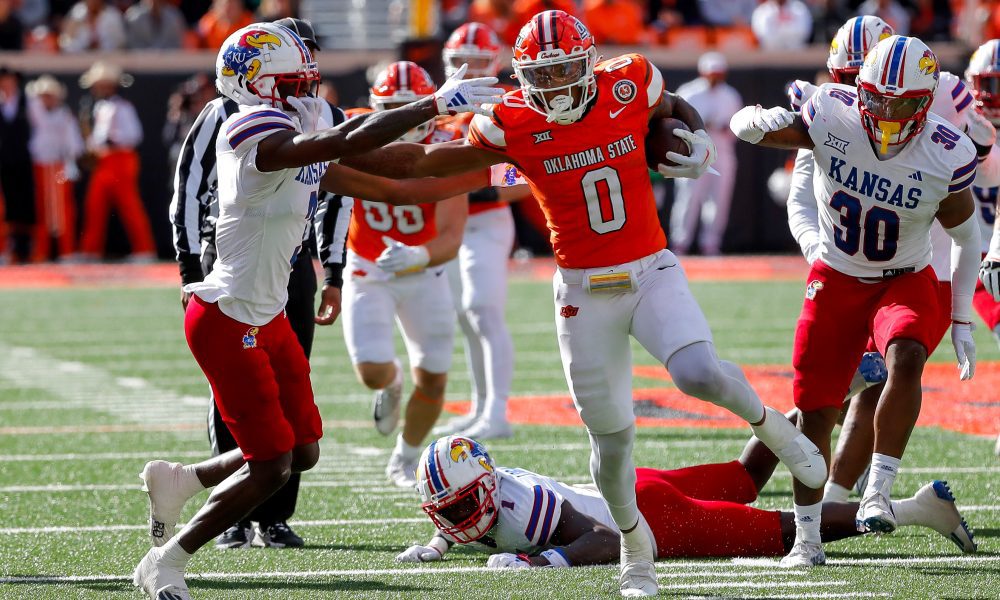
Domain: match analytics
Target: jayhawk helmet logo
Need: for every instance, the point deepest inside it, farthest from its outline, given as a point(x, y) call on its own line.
point(928, 64)
point(242, 57)
point(464, 449)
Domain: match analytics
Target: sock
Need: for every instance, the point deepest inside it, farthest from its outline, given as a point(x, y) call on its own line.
point(834, 492)
point(882, 476)
point(807, 520)
point(613, 472)
point(408, 452)
point(188, 482)
point(904, 512)
point(741, 399)
point(174, 556)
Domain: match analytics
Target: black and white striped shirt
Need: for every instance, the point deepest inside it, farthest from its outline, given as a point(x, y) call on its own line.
point(194, 206)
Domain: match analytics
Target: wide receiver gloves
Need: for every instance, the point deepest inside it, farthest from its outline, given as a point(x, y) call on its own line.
point(752, 122)
point(701, 155)
point(467, 95)
point(400, 258)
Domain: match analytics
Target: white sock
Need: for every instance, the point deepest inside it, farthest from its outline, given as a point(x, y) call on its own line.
point(904, 513)
point(408, 452)
point(834, 492)
point(807, 521)
point(614, 473)
point(174, 556)
point(742, 399)
point(883, 475)
point(188, 481)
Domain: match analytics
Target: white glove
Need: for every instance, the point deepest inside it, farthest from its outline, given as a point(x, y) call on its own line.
point(418, 554)
point(702, 155)
point(989, 274)
point(965, 349)
point(752, 122)
point(505, 560)
point(398, 257)
point(505, 175)
point(980, 129)
point(459, 95)
point(309, 110)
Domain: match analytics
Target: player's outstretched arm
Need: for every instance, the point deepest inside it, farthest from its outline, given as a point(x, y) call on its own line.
point(405, 160)
point(433, 551)
point(775, 127)
point(957, 215)
point(349, 182)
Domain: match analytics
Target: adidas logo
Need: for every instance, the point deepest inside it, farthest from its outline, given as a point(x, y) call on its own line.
point(916, 176)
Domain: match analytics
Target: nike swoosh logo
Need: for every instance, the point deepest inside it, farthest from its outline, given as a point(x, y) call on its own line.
point(615, 113)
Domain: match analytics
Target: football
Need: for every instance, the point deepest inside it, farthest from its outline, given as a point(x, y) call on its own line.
point(661, 139)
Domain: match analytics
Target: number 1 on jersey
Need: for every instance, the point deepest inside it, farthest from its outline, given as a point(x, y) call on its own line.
point(595, 211)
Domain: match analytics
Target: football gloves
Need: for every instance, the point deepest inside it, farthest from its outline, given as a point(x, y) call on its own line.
point(458, 95)
point(418, 554)
point(702, 155)
point(505, 560)
point(979, 129)
point(398, 257)
point(965, 349)
point(752, 122)
point(989, 274)
point(309, 110)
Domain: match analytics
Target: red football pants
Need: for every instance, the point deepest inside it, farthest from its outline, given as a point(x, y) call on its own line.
point(55, 211)
point(259, 377)
point(115, 184)
point(699, 512)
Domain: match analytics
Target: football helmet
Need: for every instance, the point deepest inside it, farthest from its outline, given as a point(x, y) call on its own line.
point(457, 482)
point(264, 63)
point(554, 61)
point(473, 44)
point(896, 86)
point(401, 83)
point(983, 76)
point(853, 41)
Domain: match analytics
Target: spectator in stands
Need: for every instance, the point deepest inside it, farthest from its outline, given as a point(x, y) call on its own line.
point(616, 21)
point(931, 20)
point(707, 199)
point(115, 180)
point(272, 10)
point(55, 146)
point(781, 24)
point(154, 24)
point(92, 25)
point(828, 17)
point(726, 13)
point(32, 13)
point(224, 18)
point(889, 11)
point(15, 163)
point(497, 15)
point(11, 28)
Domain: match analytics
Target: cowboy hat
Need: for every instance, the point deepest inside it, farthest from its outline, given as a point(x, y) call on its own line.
point(105, 71)
point(46, 84)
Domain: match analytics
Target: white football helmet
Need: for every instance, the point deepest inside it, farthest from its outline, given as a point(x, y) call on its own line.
point(896, 86)
point(983, 77)
point(264, 63)
point(853, 41)
point(399, 84)
point(457, 482)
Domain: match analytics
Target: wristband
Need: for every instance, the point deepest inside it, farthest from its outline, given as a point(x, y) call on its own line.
point(438, 544)
point(557, 558)
point(333, 275)
point(982, 151)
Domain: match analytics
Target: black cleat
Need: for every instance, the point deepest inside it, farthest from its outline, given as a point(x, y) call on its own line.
point(237, 536)
point(277, 535)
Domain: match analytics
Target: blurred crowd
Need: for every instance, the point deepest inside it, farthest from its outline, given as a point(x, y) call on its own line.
point(67, 26)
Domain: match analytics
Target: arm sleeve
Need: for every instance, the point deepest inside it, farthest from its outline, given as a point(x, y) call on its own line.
point(803, 214)
point(963, 176)
point(194, 190)
point(333, 218)
point(965, 254)
point(546, 509)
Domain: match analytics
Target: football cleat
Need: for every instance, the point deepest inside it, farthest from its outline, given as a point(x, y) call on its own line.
point(238, 536)
point(401, 472)
point(875, 515)
point(488, 430)
point(638, 576)
point(385, 403)
point(804, 554)
point(278, 535)
point(792, 447)
point(455, 424)
point(159, 582)
point(934, 506)
point(161, 480)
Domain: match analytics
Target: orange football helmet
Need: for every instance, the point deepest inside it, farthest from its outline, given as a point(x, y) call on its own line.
point(476, 45)
point(401, 83)
point(554, 59)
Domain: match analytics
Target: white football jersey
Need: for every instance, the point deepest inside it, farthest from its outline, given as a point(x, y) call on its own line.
point(529, 507)
point(875, 215)
point(986, 190)
point(262, 217)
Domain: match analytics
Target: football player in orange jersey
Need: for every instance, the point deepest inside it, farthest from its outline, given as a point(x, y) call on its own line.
point(575, 128)
point(395, 268)
point(479, 276)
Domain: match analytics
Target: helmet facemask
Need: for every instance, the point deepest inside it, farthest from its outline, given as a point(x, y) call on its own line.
point(468, 514)
point(559, 87)
point(986, 91)
point(482, 63)
point(891, 120)
point(275, 89)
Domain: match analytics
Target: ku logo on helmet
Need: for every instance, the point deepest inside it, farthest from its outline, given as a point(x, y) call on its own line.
point(464, 449)
point(928, 64)
point(242, 57)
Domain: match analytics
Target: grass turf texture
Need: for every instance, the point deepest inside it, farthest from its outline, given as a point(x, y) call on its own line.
point(95, 382)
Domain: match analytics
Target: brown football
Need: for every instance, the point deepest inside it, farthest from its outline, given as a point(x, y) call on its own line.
point(661, 139)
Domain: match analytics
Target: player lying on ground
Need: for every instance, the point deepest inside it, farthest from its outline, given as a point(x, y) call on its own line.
point(528, 520)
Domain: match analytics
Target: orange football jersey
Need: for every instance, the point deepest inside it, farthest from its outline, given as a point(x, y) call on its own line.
point(411, 225)
point(590, 177)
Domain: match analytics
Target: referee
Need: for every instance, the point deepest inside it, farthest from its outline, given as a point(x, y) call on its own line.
point(193, 212)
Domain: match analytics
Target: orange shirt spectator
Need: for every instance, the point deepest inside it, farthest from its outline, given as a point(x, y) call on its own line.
point(525, 9)
point(616, 21)
point(225, 17)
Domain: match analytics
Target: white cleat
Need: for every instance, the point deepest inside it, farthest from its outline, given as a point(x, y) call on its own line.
point(401, 472)
point(804, 554)
point(157, 581)
point(875, 515)
point(161, 480)
point(454, 425)
point(483, 430)
point(638, 576)
point(793, 448)
point(385, 403)
point(934, 506)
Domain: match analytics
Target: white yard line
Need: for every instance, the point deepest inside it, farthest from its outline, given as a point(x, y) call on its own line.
point(836, 595)
point(754, 584)
point(103, 528)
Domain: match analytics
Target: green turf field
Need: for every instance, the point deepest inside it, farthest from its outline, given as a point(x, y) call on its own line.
point(93, 383)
